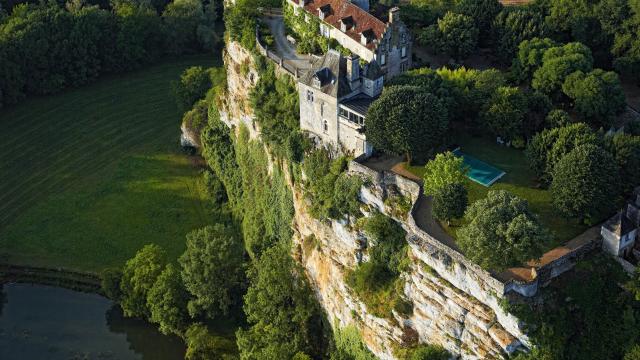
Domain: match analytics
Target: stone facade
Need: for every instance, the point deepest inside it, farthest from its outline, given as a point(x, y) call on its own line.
point(389, 44)
point(620, 232)
point(334, 97)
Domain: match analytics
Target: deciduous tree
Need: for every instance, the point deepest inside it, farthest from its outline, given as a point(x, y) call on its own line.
point(597, 96)
point(212, 270)
point(558, 63)
point(138, 276)
point(450, 202)
point(585, 183)
point(167, 302)
point(407, 120)
point(505, 112)
point(501, 232)
point(455, 35)
point(444, 169)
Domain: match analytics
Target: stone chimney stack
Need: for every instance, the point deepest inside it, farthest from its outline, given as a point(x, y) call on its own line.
point(394, 15)
point(353, 68)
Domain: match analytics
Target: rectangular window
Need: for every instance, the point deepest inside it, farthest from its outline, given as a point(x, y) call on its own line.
point(344, 113)
point(309, 96)
point(403, 52)
point(383, 59)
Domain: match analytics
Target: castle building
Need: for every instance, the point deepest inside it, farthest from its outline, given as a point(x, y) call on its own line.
point(334, 98)
point(338, 90)
point(619, 233)
point(352, 26)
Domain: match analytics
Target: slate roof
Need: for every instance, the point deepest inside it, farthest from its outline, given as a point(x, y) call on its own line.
point(620, 224)
point(330, 70)
point(359, 104)
point(362, 21)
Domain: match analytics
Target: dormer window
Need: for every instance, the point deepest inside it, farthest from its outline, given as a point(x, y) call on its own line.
point(346, 23)
point(321, 77)
point(367, 36)
point(324, 11)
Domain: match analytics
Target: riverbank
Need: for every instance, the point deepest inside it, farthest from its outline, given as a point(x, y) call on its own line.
point(59, 277)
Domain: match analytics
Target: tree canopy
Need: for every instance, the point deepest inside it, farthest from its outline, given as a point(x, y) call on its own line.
point(455, 35)
point(505, 112)
point(597, 96)
point(444, 169)
point(138, 277)
point(407, 120)
point(450, 202)
point(585, 183)
point(558, 63)
point(212, 270)
point(529, 57)
point(501, 232)
point(281, 310)
point(167, 302)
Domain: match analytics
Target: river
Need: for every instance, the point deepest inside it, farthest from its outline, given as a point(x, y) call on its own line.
point(47, 323)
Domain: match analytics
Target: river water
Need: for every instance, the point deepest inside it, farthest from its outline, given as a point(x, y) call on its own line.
point(48, 323)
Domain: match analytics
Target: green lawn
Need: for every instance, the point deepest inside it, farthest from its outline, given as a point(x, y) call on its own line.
point(89, 176)
point(519, 180)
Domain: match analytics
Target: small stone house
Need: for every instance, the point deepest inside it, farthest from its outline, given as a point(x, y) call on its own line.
point(352, 26)
point(334, 98)
point(620, 232)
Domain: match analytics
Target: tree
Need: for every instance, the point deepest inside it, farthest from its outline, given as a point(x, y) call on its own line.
point(212, 270)
point(558, 63)
point(538, 106)
point(181, 21)
point(626, 151)
point(505, 112)
point(281, 309)
point(193, 86)
point(549, 146)
point(455, 35)
point(450, 202)
point(167, 302)
point(407, 120)
point(501, 232)
point(557, 118)
point(482, 12)
point(110, 283)
point(597, 96)
point(138, 277)
point(515, 24)
point(444, 169)
point(346, 194)
point(585, 184)
point(633, 353)
point(529, 57)
point(203, 345)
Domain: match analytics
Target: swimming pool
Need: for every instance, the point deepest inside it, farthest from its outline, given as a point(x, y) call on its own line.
point(479, 171)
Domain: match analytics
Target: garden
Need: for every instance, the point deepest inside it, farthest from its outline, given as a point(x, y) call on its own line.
point(519, 179)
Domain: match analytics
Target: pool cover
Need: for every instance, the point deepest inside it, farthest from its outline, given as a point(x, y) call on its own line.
point(479, 171)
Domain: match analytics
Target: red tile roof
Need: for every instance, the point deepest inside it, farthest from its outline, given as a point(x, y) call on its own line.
point(340, 9)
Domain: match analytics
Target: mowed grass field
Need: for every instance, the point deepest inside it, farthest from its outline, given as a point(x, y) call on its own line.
point(89, 176)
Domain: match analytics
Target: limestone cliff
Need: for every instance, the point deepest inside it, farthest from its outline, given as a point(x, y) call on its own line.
point(455, 303)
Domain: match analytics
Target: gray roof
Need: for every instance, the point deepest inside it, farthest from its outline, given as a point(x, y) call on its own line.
point(359, 104)
point(329, 71)
point(620, 224)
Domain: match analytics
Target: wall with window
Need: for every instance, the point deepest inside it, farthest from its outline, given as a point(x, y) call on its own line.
point(318, 113)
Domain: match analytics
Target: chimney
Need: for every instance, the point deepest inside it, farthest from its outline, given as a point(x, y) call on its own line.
point(353, 68)
point(394, 15)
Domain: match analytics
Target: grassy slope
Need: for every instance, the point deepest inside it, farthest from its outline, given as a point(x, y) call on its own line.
point(89, 176)
point(519, 180)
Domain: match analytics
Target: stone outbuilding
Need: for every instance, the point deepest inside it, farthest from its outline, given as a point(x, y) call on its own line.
point(619, 233)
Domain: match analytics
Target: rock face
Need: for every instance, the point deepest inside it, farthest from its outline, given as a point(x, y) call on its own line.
point(454, 303)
